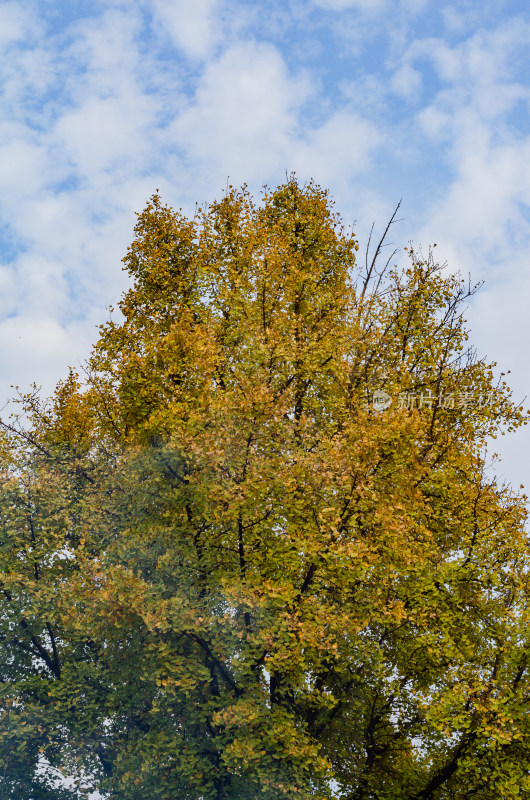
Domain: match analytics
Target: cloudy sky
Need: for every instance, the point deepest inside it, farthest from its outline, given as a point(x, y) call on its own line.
point(102, 102)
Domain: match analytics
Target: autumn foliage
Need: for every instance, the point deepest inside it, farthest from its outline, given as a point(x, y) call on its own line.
point(225, 574)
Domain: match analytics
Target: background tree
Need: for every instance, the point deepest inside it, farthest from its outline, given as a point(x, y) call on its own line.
point(225, 573)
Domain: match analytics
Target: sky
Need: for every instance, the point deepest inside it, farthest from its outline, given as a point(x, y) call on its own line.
point(102, 103)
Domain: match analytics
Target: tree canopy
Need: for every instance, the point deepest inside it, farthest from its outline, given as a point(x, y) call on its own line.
point(255, 552)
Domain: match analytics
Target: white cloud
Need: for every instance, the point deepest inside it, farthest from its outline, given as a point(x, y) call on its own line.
point(484, 201)
point(104, 134)
point(500, 325)
point(9, 292)
point(482, 61)
point(343, 5)
point(193, 26)
point(40, 350)
point(23, 163)
point(104, 58)
point(70, 167)
point(488, 158)
point(336, 151)
point(407, 81)
point(243, 116)
point(405, 7)
point(14, 23)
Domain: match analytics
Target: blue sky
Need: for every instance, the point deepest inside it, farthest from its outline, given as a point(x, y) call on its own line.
point(379, 100)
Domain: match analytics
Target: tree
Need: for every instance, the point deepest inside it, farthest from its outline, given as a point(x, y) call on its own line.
point(231, 570)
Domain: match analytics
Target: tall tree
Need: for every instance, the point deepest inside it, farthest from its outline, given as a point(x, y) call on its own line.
point(257, 554)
